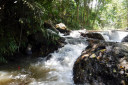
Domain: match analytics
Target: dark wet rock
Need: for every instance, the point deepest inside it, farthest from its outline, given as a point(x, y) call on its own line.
point(39, 43)
point(62, 28)
point(93, 35)
point(102, 63)
point(48, 57)
point(125, 39)
point(36, 40)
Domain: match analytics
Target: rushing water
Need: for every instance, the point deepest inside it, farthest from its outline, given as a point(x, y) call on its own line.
point(55, 71)
point(114, 36)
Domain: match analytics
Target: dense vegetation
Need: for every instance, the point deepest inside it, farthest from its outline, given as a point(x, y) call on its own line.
point(21, 18)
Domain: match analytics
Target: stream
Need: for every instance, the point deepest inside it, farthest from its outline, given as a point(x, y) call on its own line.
point(58, 69)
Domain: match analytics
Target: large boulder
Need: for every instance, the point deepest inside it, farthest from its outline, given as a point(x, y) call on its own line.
point(102, 63)
point(62, 28)
point(93, 35)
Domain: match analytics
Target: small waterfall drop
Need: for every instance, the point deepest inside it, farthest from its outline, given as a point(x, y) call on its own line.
point(117, 36)
point(114, 35)
point(62, 61)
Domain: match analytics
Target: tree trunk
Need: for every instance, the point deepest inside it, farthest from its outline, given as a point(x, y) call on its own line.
point(87, 16)
point(84, 23)
point(77, 19)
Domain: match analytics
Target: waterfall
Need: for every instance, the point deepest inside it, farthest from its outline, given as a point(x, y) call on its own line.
point(61, 62)
point(114, 35)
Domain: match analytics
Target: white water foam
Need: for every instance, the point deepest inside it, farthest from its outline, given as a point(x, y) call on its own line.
point(114, 35)
point(117, 36)
point(76, 33)
point(62, 62)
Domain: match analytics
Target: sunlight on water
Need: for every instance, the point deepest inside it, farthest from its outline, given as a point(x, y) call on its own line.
point(5, 78)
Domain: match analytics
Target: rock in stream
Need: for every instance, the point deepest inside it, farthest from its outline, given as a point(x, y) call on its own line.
point(102, 63)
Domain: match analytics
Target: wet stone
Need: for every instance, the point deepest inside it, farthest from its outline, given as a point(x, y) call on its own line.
point(101, 63)
point(62, 28)
point(93, 35)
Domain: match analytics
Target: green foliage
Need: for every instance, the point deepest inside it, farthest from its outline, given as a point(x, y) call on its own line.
point(19, 20)
point(2, 59)
point(92, 14)
point(115, 14)
point(50, 37)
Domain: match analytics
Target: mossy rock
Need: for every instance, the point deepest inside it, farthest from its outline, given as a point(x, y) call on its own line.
point(93, 35)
